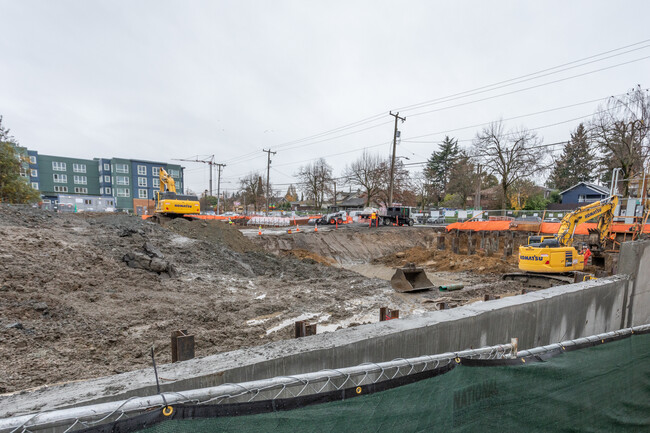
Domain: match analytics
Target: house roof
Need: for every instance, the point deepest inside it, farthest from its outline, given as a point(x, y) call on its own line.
point(599, 189)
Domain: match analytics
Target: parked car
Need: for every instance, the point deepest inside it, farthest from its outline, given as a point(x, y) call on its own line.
point(436, 220)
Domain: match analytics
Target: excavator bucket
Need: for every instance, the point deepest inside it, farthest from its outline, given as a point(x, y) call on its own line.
point(410, 279)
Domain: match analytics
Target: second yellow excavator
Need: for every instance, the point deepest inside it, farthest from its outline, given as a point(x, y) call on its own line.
point(169, 203)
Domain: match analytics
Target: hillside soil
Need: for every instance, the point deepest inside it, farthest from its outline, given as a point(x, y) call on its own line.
point(87, 295)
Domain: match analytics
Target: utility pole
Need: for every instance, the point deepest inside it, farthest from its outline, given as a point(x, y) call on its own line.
point(268, 173)
point(334, 193)
point(219, 167)
point(209, 160)
point(392, 163)
point(477, 202)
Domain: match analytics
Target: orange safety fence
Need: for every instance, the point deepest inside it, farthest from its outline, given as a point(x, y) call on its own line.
point(547, 228)
point(210, 217)
point(480, 225)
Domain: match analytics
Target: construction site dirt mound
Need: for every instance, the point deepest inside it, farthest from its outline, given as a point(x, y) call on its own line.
point(73, 308)
point(86, 295)
point(212, 231)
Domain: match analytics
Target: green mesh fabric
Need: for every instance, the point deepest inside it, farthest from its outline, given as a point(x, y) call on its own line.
point(603, 388)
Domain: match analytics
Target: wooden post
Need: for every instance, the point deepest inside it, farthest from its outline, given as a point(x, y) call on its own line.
point(471, 246)
point(441, 241)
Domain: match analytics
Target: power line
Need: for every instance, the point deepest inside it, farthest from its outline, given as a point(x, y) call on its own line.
point(524, 78)
point(483, 89)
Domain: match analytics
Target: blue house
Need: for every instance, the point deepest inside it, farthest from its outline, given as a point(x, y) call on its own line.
point(584, 193)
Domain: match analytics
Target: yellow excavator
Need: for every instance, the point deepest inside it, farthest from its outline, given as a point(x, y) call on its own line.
point(170, 204)
point(552, 260)
point(555, 254)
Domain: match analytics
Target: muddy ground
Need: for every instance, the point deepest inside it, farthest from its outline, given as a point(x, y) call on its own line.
point(88, 295)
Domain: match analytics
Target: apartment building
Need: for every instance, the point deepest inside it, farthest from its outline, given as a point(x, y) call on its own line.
point(99, 184)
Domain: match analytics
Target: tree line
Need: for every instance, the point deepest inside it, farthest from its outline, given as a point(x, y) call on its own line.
point(513, 161)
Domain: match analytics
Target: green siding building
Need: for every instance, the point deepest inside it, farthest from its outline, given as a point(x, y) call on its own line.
point(99, 183)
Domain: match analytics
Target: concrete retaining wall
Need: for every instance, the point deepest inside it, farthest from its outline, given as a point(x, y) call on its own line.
point(537, 318)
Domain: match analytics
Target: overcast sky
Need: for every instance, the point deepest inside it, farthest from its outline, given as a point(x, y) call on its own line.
point(164, 80)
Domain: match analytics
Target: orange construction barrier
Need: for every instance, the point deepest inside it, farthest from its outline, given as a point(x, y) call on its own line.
point(546, 228)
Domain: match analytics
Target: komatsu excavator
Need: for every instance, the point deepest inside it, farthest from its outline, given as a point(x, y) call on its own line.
point(551, 260)
point(170, 204)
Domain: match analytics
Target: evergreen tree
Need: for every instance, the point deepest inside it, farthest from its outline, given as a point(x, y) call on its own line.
point(439, 165)
point(577, 162)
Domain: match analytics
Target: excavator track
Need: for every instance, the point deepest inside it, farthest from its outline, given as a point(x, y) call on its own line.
point(543, 281)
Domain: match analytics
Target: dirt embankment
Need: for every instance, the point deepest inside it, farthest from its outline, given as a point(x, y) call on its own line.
point(73, 309)
point(350, 244)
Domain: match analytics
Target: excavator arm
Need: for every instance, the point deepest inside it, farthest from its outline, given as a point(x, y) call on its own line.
point(166, 181)
point(603, 209)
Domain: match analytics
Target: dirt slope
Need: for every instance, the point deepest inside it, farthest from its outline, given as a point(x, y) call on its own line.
point(72, 309)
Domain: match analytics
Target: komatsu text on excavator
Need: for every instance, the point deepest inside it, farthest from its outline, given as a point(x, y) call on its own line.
point(169, 203)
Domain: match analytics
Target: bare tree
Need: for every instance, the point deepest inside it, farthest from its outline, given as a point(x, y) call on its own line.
point(253, 188)
point(402, 185)
point(424, 190)
point(509, 155)
point(621, 133)
point(368, 173)
point(315, 180)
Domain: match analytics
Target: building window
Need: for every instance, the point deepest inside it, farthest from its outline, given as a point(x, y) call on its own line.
point(173, 173)
point(32, 160)
point(107, 167)
point(121, 180)
point(101, 191)
point(155, 171)
point(60, 178)
point(179, 184)
point(121, 168)
point(88, 201)
point(58, 166)
point(142, 193)
point(155, 183)
point(108, 191)
point(80, 190)
point(81, 180)
point(23, 172)
point(79, 168)
point(142, 181)
point(109, 202)
point(60, 189)
point(142, 170)
point(34, 173)
point(107, 179)
point(122, 192)
point(35, 185)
